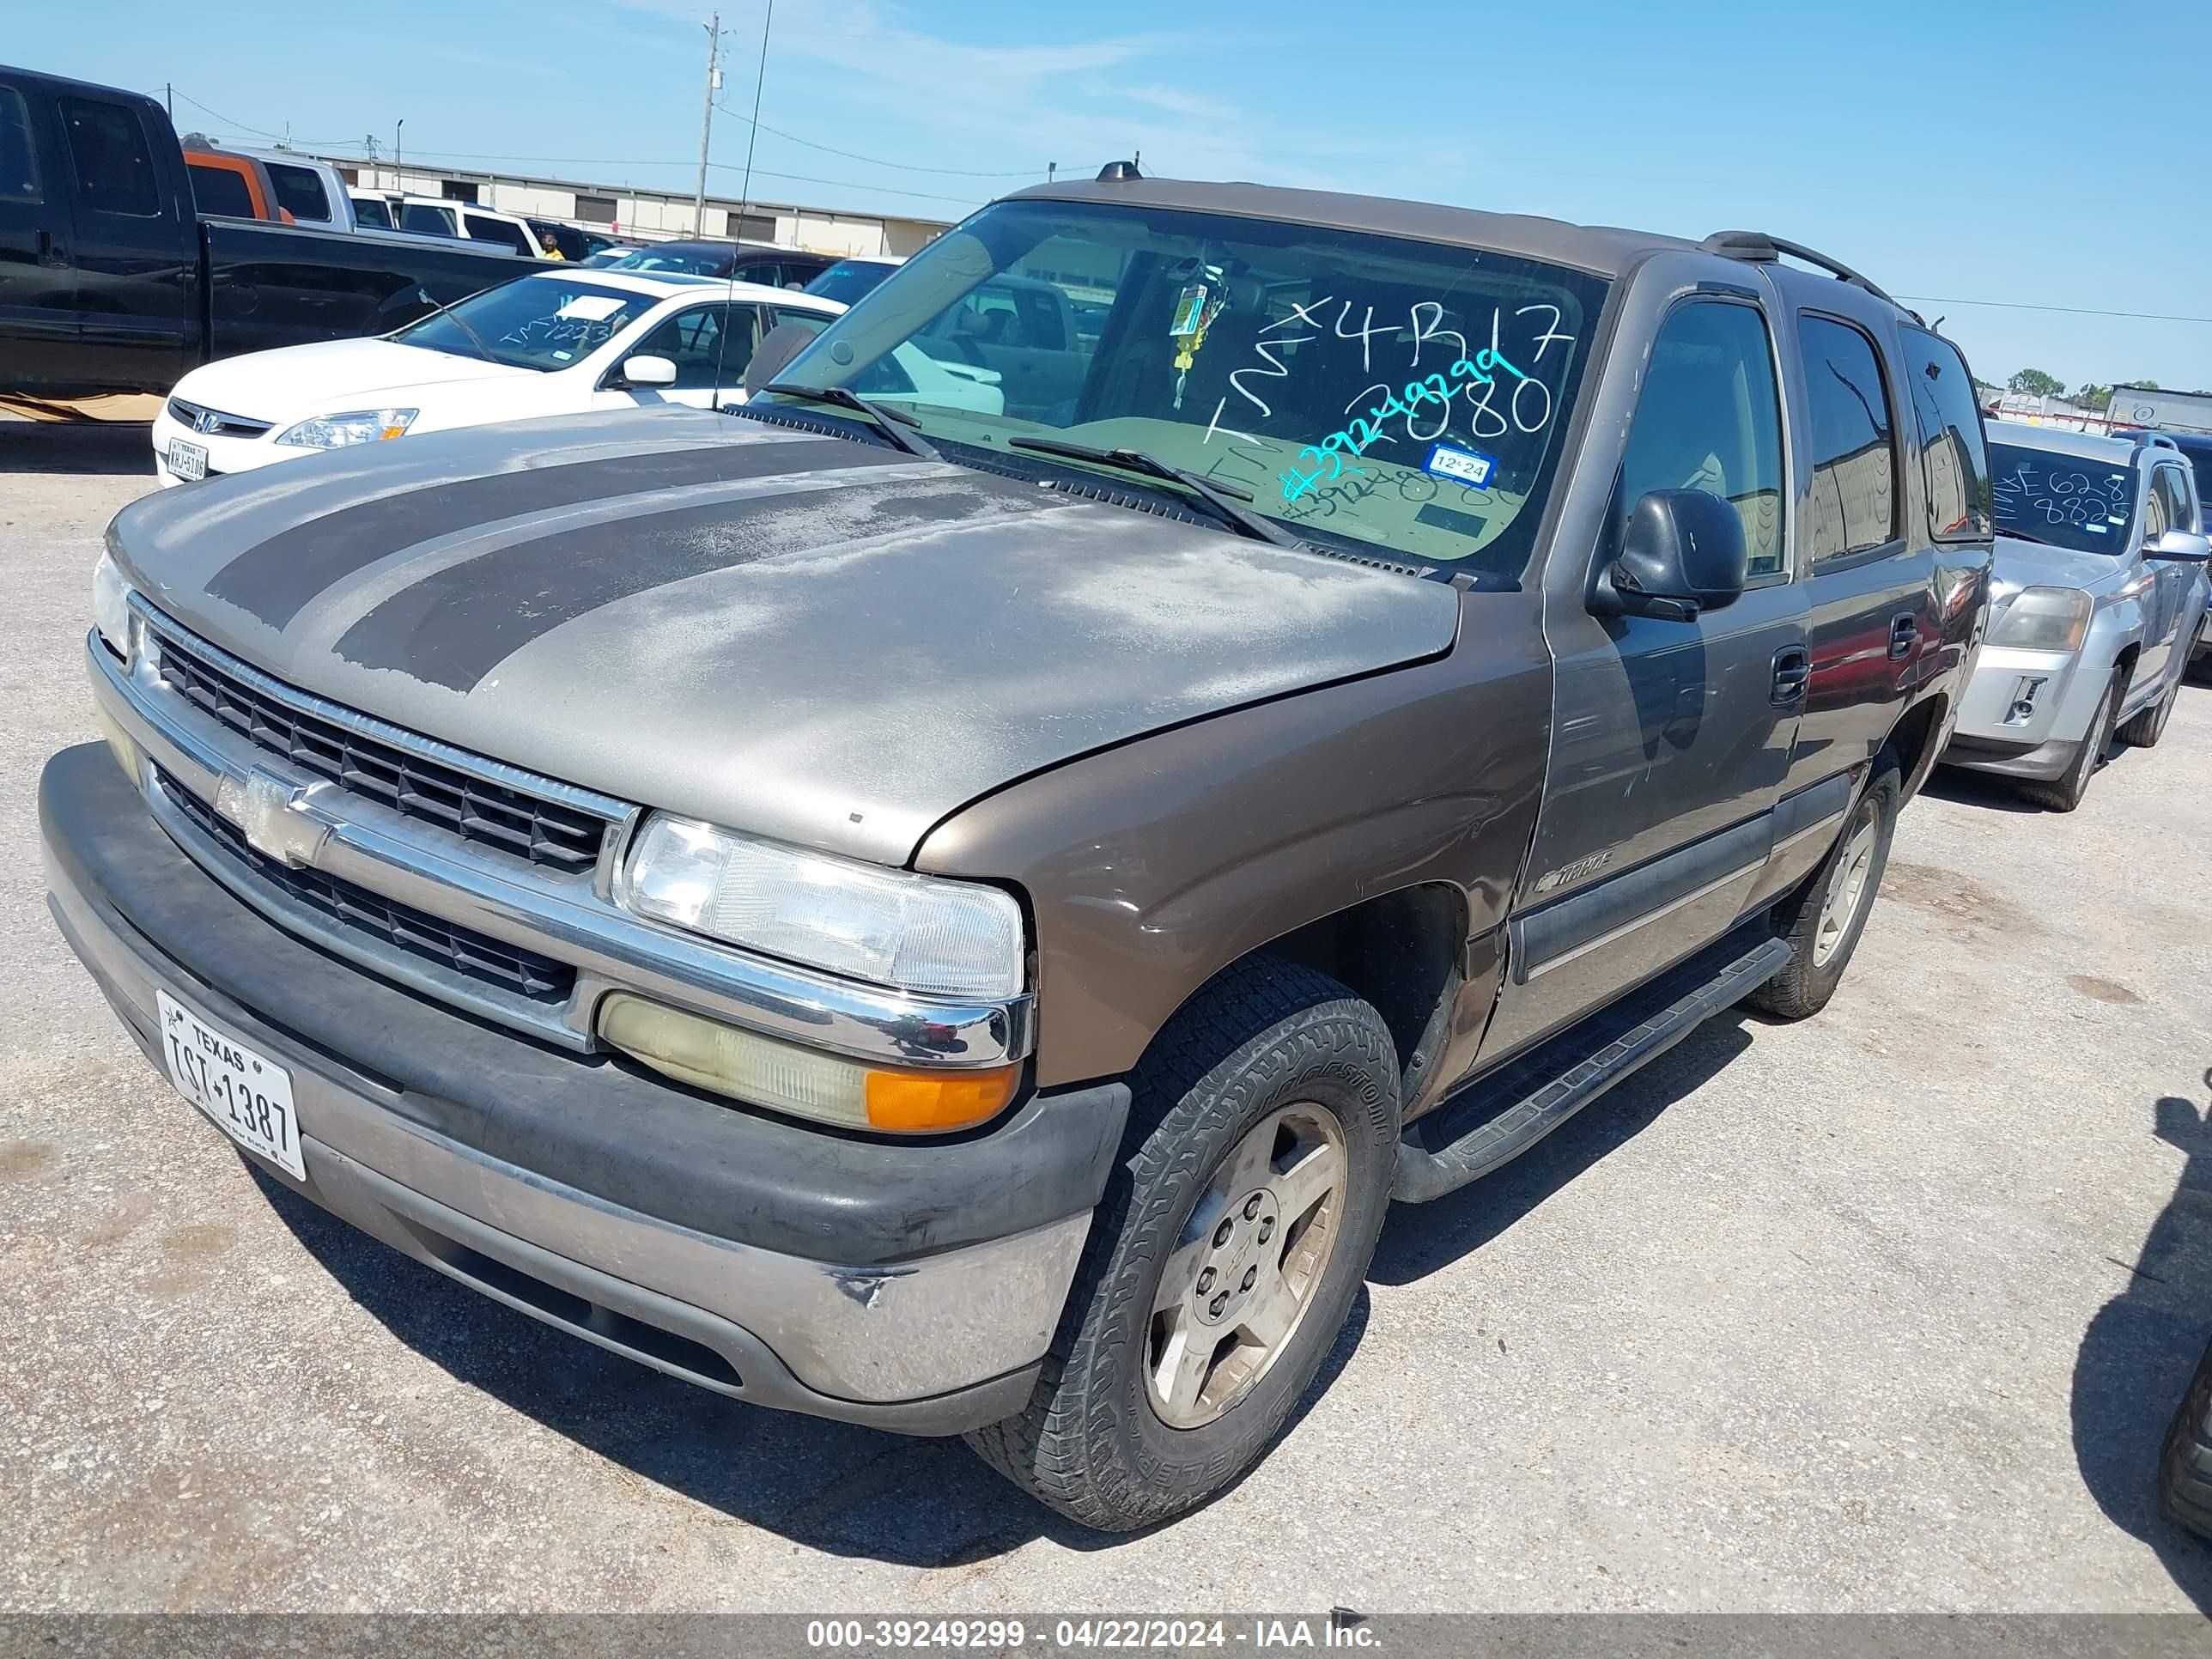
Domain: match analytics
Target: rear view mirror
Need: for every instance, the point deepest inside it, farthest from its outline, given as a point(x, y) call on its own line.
point(776, 349)
point(2183, 544)
point(646, 369)
point(1683, 553)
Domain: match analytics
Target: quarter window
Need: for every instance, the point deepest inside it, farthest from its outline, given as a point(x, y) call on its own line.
point(1854, 451)
point(1711, 419)
point(220, 192)
point(483, 229)
point(107, 151)
point(1954, 460)
point(19, 166)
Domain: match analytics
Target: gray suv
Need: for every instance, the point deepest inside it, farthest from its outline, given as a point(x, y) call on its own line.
point(2098, 594)
point(963, 919)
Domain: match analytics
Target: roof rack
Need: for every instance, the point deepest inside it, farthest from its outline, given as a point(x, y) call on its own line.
point(1757, 247)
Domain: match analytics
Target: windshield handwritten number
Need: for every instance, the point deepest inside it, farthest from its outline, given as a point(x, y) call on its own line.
point(1435, 331)
point(1361, 432)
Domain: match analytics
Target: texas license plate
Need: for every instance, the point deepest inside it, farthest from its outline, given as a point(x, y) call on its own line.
point(186, 461)
point(249, 1097)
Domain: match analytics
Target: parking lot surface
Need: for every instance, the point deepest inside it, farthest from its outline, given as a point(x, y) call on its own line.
point(1883, 1311)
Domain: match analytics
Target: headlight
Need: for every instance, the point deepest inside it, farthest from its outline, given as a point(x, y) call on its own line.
point(919, 933)
point(358, 425)
point(2046, 619)
point(110, 606)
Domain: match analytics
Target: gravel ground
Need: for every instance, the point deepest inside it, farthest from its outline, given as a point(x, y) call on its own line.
point(1883, 1311)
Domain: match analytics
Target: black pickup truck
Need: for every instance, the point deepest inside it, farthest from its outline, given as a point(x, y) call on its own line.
point(110, 281)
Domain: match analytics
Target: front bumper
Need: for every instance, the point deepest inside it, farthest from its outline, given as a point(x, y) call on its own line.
point(225, 454)
point(911, 1287)
point(1994, 735)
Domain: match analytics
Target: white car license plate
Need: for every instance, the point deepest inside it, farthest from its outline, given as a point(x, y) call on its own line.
point(187, 461)
point(249, 1097)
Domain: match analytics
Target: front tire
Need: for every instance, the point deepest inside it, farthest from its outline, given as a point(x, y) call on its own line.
point(2063, 794)
point(1224, 1259)
point(1823, 918)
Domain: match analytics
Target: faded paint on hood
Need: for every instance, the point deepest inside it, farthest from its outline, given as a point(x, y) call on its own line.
point(2020, 564)
point(803, 636)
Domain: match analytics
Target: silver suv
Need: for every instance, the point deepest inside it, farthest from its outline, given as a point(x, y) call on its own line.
point(2099, 587)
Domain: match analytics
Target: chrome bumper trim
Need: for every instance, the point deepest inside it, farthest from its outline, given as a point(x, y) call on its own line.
point(570, 918)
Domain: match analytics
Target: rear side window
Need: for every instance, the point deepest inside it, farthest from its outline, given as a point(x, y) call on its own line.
point(368, 211)
point(220, 191)
point(19, 163)
point(1854, 448)
point(1711, 419)
point(107, 152)
point(1954, 457)
point(429, 221)
point(498, 230)
point(299, 190)
point(767, 272)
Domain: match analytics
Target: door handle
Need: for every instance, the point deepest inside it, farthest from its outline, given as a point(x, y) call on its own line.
point(1904, 635)
point(1793, 672)
point(53, 251)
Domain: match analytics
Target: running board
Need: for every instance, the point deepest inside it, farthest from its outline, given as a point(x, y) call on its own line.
point(1497, 1118)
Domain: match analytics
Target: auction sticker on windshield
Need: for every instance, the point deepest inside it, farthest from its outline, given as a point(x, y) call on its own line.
point(249, 1097)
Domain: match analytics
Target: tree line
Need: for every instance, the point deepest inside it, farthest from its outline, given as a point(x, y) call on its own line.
point(2034, 383)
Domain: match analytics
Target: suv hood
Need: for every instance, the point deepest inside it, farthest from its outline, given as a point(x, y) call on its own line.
point(2020, 564)
point(803, 636)
point(331, 374)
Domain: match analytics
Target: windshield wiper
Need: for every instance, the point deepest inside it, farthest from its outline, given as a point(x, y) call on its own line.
point(894, 422)
point(1213, 494)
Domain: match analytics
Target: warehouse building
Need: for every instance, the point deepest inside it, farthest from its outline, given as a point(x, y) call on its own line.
point(650, 214)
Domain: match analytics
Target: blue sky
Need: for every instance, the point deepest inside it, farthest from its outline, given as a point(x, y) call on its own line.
point(1964, 149)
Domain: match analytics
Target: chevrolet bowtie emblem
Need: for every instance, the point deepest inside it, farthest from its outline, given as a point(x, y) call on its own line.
point(262, 805)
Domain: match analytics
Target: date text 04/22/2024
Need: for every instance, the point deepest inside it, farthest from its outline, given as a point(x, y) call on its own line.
point(1339, 1630)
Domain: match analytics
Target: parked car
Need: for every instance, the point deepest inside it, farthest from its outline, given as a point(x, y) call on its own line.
point(110, 280)
point(956, 921)
point(2196, 448)
point(848, 279)
point(314, 192)
point(2098, 599)
point(549, 344)
point(432, 215)
point(743, 262)
point(232, 187)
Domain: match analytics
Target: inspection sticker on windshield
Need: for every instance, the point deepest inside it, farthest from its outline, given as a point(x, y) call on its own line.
point(590, 308)
point(1461, 465)
point(2098, 529)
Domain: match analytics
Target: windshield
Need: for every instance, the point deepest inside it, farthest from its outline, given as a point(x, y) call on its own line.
point(533, 322)
point(848, 279)
point(2065, 500)
point(1404, 398)
point(695, 262)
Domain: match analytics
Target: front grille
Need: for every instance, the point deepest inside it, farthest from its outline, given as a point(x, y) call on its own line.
point(524, 973)
point(546, 832)
point(218, 424)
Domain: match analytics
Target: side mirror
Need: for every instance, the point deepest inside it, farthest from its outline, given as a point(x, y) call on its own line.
point(776, 349)
point(1683, 553)
point(2185, 546)
point(646, 369)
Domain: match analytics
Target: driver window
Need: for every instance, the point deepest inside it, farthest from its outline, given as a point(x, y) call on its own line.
point(2157, 516)
point(2168, 481)
point(1711, 419)
point(710, 345)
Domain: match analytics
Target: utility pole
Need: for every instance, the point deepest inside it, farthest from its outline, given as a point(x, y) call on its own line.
point(169, 100)
point(398, 132)
point(706, 121)
point(760, 79)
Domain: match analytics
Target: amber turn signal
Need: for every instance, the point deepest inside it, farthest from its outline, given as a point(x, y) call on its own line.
point(918, 1103)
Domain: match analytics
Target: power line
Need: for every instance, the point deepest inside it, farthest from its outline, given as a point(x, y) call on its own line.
point(225, 119)
point(876, 160)
point(2071, 311)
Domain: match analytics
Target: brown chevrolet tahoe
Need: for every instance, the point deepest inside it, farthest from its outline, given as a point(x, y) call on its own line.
point(959, 910)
